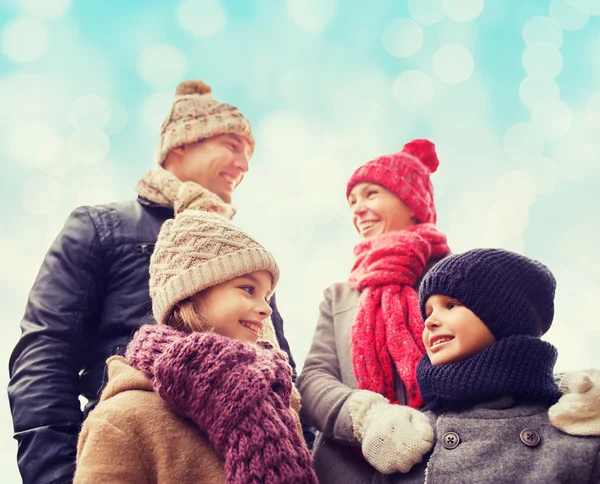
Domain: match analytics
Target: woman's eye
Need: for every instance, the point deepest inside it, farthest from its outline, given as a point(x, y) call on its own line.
point(371, 193)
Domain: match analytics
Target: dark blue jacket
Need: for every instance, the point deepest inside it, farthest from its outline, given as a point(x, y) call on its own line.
point(90, 296)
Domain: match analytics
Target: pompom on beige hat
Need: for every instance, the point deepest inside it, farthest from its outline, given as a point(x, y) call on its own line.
point(197, 250)
point(196, 115)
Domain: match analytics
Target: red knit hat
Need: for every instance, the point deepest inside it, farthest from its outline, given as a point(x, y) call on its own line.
point(406, 175)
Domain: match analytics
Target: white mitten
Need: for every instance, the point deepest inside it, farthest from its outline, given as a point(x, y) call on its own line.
point(578, 410)
point(394, 437)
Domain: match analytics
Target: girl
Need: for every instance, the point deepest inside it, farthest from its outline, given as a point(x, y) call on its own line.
point(487, 378)
point(368, 337)
point(197, 399)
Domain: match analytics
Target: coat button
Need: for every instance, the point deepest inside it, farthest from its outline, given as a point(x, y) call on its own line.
point(450, 440)
point(530, 437)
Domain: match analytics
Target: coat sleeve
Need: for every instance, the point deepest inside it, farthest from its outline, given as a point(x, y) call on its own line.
point(44, 367)
point(106, 453)
point(324, 396)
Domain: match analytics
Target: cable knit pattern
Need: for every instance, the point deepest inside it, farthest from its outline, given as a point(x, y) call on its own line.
point(388, 325)
point(517, 366)
point(236, 392)
point(162, 187)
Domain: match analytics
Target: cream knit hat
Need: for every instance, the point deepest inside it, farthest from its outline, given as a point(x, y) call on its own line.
point(195, 115)
point(197, 250)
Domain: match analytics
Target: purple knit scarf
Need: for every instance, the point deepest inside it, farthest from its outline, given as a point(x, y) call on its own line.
point(237, 393)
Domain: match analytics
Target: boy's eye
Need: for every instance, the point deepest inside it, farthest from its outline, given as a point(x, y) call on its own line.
point(452, 304)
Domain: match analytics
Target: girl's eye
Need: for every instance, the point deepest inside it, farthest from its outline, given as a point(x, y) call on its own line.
point(248, 289)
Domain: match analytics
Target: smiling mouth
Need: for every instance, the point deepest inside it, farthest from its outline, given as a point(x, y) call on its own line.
point(441, 341)
point(364, 226)
point(253, 326)
point(229, 179)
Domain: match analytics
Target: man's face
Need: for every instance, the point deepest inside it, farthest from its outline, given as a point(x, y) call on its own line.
point(218, 163)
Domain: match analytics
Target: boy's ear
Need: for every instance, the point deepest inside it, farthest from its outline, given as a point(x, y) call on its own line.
point(178, 151)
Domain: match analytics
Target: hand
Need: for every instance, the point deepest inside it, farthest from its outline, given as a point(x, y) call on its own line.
point(578, 410)
point(394, 437)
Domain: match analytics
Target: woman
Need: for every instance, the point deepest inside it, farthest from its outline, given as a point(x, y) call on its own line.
point(368, 337)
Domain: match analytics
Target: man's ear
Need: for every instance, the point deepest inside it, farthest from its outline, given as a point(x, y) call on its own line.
point(178, 151)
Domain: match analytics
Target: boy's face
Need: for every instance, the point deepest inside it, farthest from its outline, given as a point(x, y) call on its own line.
point(376, 210)
point(452, 331)
point(218, 163)
point(237, 308)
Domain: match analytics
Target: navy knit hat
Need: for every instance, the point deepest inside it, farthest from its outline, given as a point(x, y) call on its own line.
point(510, 293)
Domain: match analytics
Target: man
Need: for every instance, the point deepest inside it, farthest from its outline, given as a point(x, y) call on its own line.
point(91, 293)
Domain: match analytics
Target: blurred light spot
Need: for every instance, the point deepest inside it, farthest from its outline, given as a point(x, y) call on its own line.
point(453, 63)
point(552, 118)
point(155, 108)
point(570, 14)
point(402, 37)
point(517, 187)
point(311, 15)
point(578, 151)
point(55, 160)
point(201, 19)
point(544, 171)
point(522, 142)
point(426, 11)
point(413, 90)
point(95, 195)
point(31, 142)
point(46, 9)
point(592, 110)
point(40, 195)
point(118, 118)
point(534, 89)
point(88, 146)
point(543, 29)
point(463, 10)
point(26, 97)
point(505, 240)
point(542, 60)
point(24, 40)
point(162, 65)
point(363, 97)
point(594, 7)
point(90, 111)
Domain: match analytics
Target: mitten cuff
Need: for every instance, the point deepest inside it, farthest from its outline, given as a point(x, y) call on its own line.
point(359, 405)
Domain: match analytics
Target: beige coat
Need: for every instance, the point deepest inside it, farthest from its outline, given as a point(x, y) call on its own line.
point(133, 437)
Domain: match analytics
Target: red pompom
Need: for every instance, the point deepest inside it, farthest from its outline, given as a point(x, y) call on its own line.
point(424, 150)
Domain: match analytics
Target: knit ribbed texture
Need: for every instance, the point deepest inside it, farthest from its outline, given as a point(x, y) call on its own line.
point(235, 392)
point(388, 326)
point(197, 250)
point(195, 115)
point(162, 187)
point(517, 366)
point(407, 175)
point(512, 294)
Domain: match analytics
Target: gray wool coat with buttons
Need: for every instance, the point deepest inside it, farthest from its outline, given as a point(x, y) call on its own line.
point(490, 448)
point(503, 442)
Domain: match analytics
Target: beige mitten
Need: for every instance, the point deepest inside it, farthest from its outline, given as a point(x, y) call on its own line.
point(578, 411)
point(394, 437)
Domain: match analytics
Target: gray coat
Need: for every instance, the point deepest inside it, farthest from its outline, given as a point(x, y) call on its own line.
point(490, 449)
point(503, 442)
point(326, 383)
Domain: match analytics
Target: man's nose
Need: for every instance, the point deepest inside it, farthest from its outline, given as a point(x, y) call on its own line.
point(241, 162)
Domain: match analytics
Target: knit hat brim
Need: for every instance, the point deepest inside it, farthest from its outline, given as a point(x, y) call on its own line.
point(210, 273)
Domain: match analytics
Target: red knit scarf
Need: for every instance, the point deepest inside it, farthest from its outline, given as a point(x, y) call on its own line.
point(388, 325)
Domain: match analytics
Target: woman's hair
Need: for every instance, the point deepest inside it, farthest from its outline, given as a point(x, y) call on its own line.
point(187, 317)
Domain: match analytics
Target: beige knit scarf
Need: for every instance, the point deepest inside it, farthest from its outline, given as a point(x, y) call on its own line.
point(162, 187)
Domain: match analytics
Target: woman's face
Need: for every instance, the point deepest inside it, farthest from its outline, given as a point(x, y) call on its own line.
point(376, 210)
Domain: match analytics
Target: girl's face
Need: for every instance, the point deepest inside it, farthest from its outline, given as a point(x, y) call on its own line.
point(237, 308)
point(452, 331)
point(376, 210)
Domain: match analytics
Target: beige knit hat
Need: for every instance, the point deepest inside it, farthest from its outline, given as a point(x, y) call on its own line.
point(195, 115)
point(197, 250)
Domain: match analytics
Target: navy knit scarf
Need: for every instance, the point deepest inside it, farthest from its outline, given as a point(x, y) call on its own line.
point(517, 366)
